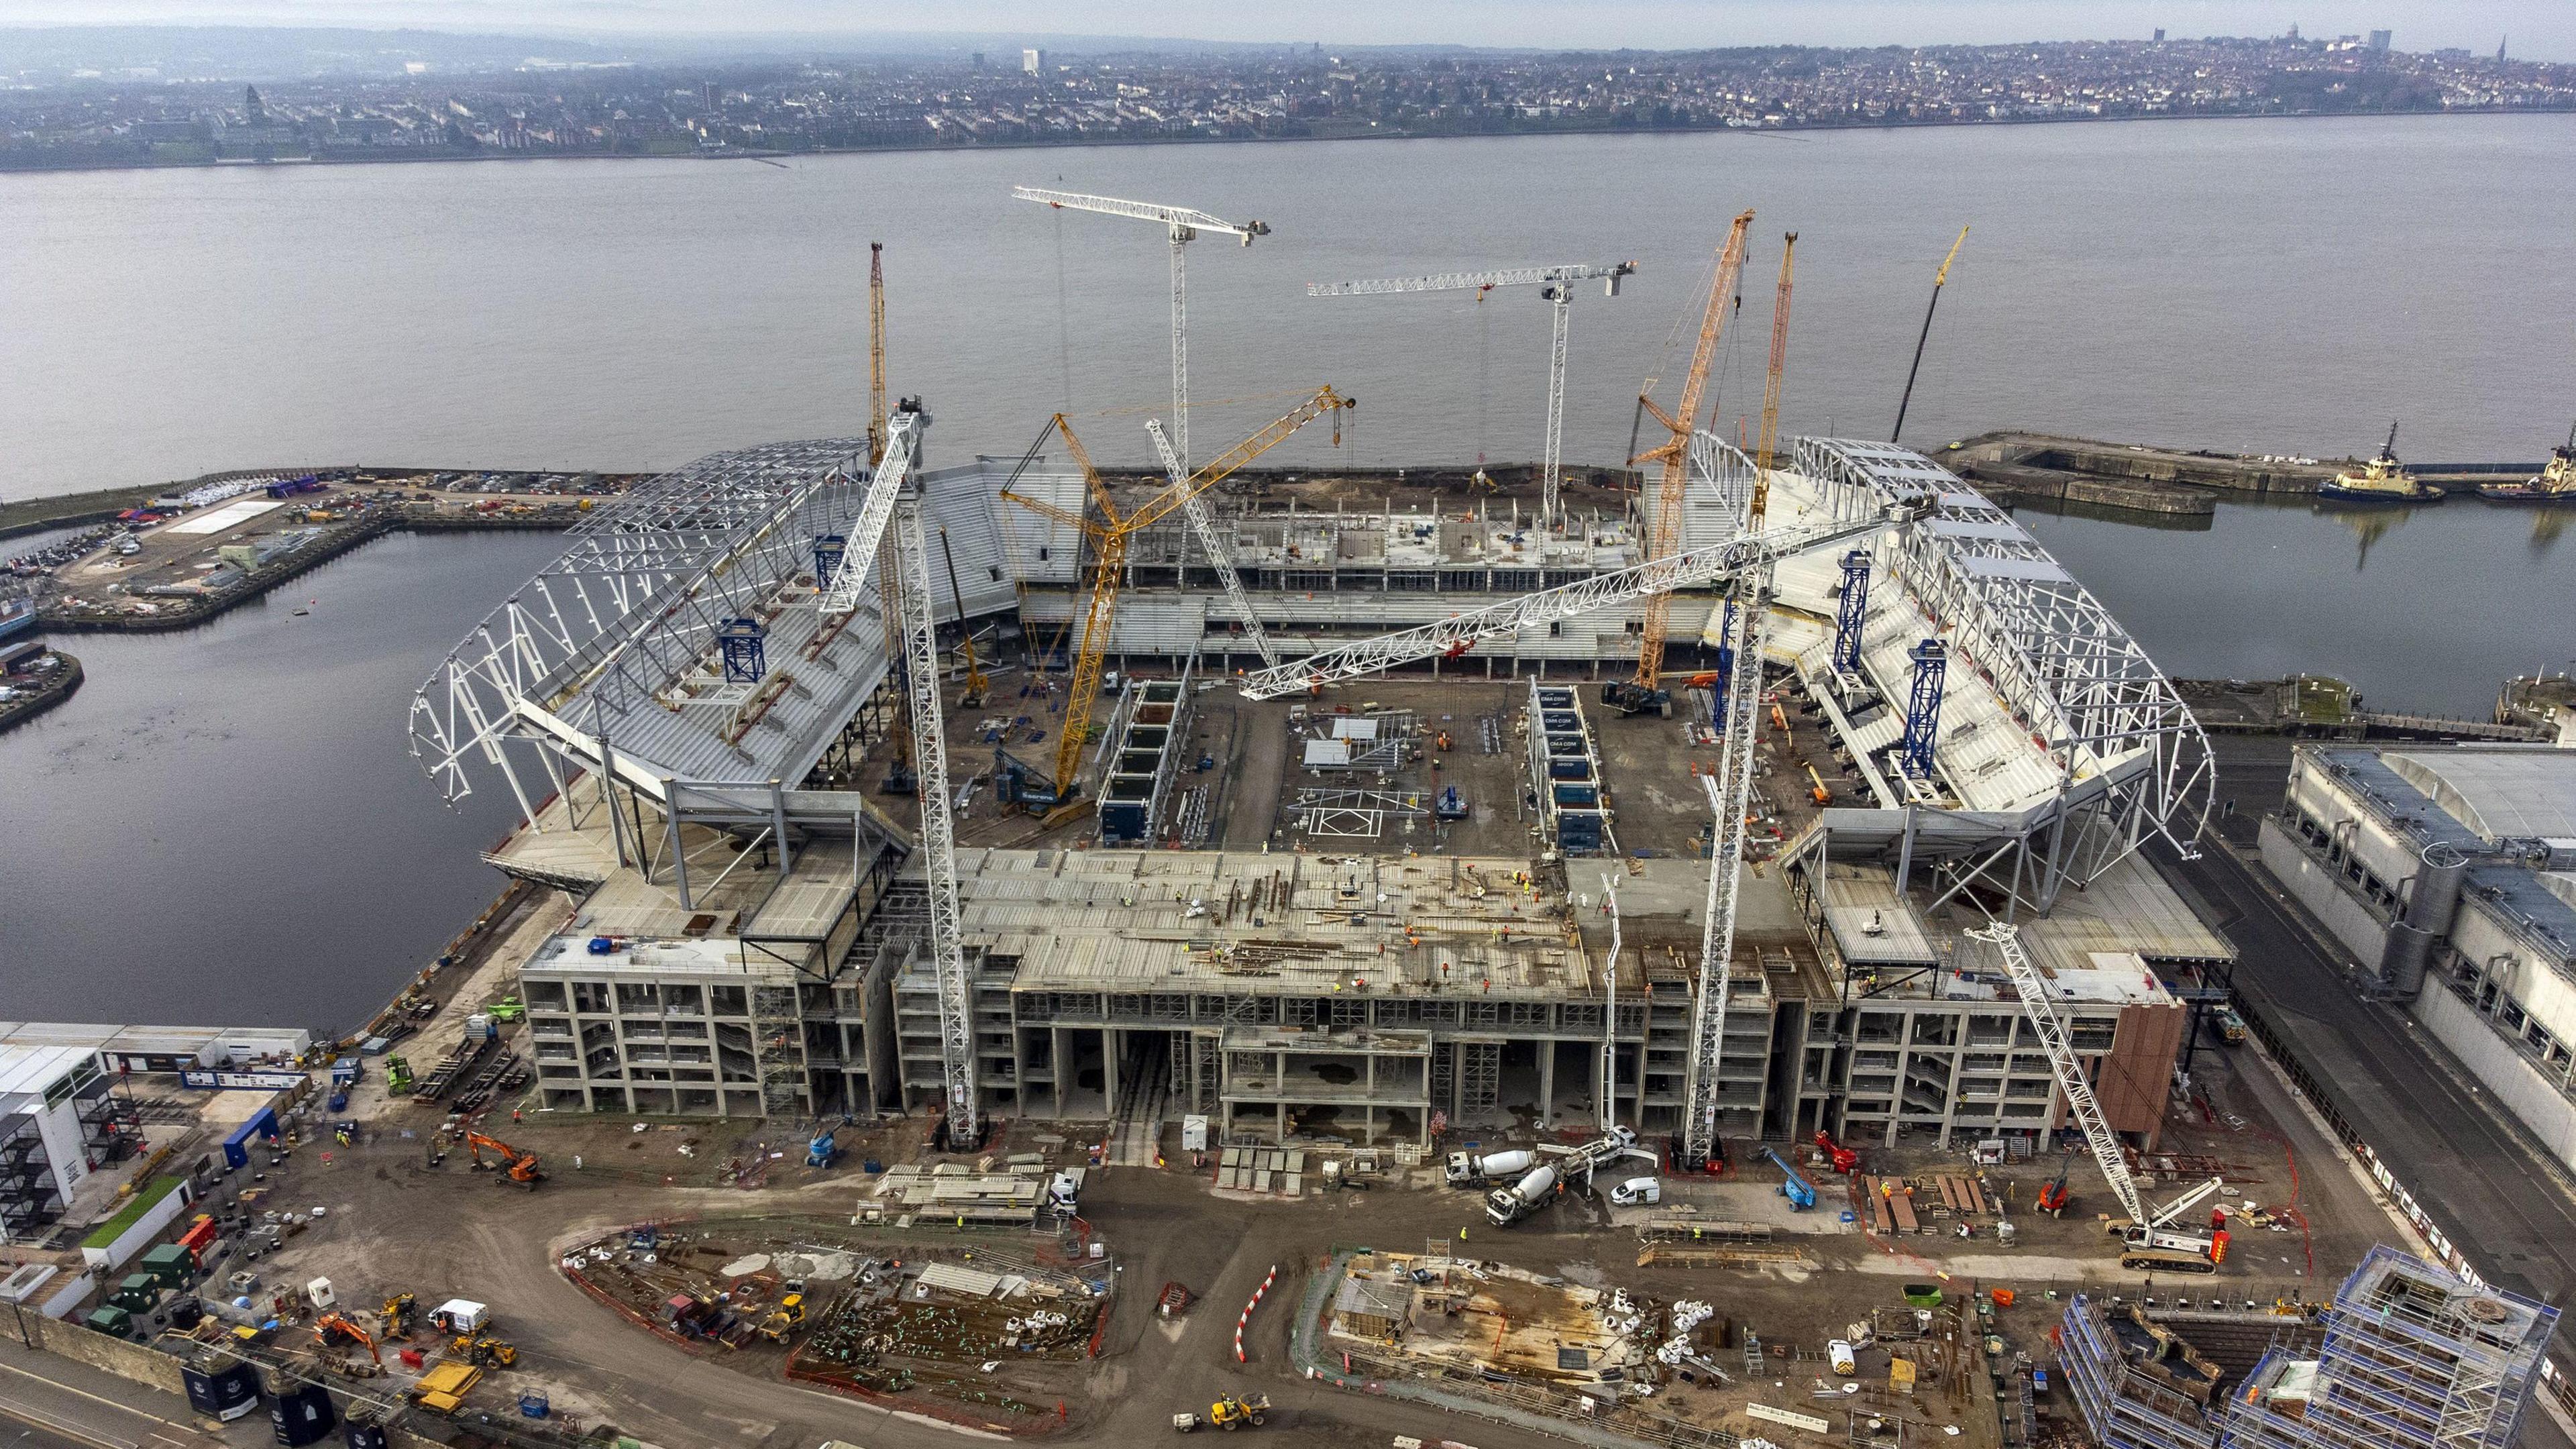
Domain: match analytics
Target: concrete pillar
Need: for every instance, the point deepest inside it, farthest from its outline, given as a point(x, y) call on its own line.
point(1109, 1045)
point(1546, 1082)
point(1056, 1054)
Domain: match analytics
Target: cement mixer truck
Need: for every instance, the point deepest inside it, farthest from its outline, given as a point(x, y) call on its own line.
point(1467, 1169)
point(1508, 1205)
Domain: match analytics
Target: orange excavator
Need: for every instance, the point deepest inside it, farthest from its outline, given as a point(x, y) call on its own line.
point(331, 1328)
point(519, 1167)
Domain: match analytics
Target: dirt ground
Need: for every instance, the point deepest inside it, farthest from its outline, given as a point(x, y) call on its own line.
point(396, 1223)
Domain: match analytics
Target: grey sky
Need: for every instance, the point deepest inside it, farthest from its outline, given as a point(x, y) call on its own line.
point(2541, 29)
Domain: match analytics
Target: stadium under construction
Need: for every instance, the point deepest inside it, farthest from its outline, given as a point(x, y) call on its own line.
point(1310, 876)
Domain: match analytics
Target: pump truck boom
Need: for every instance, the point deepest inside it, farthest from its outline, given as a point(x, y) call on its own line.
point(1507, 1205)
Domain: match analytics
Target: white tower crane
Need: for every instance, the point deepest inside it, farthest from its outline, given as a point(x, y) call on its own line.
point(1183, 224)
point(1730, 797)
point(1556, 285)
point(2153, 1242)
point(893, 502)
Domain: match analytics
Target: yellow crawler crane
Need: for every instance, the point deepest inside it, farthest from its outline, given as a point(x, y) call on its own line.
point(1109, 537)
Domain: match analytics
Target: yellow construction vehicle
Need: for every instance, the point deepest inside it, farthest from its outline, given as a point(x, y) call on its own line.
point(785, 1319)
point(483, 1352)
point(1234, 1413)
point(396, 1316)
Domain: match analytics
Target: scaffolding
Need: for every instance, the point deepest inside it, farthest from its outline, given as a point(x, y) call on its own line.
point(1565, 772)
point(1480, 1076)
point(778, 1050)
point(2412, 1357)
point(29, 1197)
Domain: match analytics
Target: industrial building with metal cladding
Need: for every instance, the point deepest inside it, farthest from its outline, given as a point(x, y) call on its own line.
point(691, 706)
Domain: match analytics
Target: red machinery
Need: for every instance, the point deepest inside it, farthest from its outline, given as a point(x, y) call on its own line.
point(2052, 1194)
point(1842, 1159)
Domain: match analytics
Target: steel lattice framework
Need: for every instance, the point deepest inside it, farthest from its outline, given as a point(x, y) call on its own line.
point(1730, 793)
point(594, 645)
point(2134, 758)
point(911, 562)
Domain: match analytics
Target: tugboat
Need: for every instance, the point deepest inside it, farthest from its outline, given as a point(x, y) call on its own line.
point(2555, 483)
point(2381, 480)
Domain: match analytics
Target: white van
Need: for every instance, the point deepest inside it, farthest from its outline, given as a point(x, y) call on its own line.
point(1841, 1354)
point(1638, 1192)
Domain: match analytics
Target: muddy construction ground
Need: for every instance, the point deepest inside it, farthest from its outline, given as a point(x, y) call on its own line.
point(875, 1368)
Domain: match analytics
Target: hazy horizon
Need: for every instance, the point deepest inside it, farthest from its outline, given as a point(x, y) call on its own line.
point(2537, 31)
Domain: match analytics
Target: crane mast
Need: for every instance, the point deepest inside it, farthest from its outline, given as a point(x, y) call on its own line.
point(1671, 495)
point(900, 776)
point(1730, 790)
point(840, 594)
point(938, 825)
point(1730, 799)
point(876, 353)
point(1771, 390)
point(1194, 507)
point(1556, 286)
point(1108, 573)
point(1940, 279)
point(1182, 225)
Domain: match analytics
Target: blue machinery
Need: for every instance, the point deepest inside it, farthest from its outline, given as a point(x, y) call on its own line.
point(1923, 707)
point(1852, 614)
point(745, 643)
point(828, 551)
point(1800, 1192)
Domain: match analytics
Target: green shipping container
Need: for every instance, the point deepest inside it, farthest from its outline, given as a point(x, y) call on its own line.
point(170, 1265)
point(114, 1321)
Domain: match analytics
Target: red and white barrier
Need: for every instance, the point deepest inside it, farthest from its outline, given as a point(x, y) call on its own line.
point(1241, 1320)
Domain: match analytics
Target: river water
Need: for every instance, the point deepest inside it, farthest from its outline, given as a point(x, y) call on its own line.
point(223, 825)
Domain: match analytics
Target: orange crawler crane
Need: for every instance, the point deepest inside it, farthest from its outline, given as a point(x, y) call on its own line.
point(519, 1167)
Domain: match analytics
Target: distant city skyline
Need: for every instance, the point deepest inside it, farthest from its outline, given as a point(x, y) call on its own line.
point(2538, 31)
